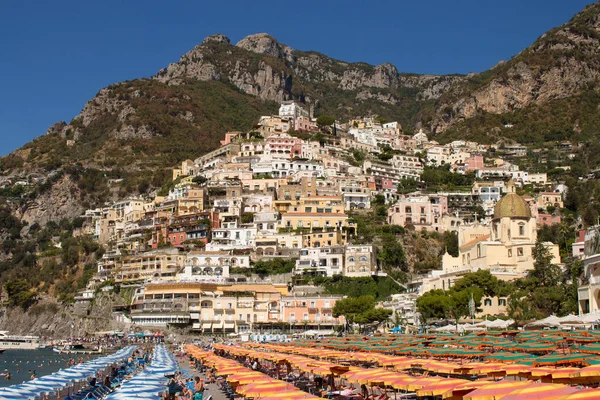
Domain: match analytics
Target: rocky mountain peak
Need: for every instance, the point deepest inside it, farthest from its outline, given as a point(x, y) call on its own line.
point(263, 43)
point(218, 38)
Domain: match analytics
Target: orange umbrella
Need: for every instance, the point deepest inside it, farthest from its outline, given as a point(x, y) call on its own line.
point(422, 382)
point(465, 388)
point(541, 391)
point(496, 390)
point(259, 389)
point(401, 381)
point(441, 387)
point(592, 370)
point(292, 395)
point(583, 394)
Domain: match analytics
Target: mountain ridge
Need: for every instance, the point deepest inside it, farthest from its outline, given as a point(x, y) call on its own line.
point(131, 132)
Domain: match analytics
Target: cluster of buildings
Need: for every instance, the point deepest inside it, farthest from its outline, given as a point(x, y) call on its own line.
point(268, 194)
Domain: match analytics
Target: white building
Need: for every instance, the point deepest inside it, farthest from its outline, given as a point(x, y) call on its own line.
point(325, 261)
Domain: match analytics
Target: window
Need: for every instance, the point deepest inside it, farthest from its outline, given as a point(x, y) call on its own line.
point(502, 302)
point(308, 209)
point(520, 251)
point(521, 229)
point(510, 252)
point(487, 302)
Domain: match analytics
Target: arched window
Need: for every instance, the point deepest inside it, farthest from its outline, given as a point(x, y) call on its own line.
point(363, 258)
point(351, 259)
point(487, 302)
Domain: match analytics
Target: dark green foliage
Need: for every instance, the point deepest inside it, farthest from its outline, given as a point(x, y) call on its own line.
point(325, 120)
point(247, 218)
point(440, 178)
point(360, 310)
point(19, 293)
point(450, 240)
point(274, 266)
point(391, 254)
point(379, 287)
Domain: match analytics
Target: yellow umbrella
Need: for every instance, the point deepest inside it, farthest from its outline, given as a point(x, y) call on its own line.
point(496, 390)
point(546, 391)
point(439, 388)
point(583, 394)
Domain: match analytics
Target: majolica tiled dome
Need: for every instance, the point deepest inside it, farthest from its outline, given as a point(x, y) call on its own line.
point(512, 206)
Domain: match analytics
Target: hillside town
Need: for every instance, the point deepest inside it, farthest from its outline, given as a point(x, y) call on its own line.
point(289, 190)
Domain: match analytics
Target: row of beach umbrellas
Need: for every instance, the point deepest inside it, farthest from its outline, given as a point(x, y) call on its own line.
point(68, 380)
point(449, 387)
point(247, 382)
point(151, 383)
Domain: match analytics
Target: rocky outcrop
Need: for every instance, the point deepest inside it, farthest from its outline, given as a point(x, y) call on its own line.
point(52, 319)
point(281, 69)
point(558, 65)
point(263, 43)
point(61, 200)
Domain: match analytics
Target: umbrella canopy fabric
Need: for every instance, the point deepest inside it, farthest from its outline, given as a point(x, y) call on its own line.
point(541, 391)
point(496, 390)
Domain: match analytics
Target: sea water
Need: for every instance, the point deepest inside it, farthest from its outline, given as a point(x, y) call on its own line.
point(22, 363)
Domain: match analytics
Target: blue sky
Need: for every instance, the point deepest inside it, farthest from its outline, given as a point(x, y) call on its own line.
point(56, 55)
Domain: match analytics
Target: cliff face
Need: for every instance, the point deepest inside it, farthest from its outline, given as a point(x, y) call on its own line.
point(261, 66)
point(560, 64)
point(48, 318)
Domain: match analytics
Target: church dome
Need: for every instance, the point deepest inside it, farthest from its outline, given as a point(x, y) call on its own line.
point(512, 206)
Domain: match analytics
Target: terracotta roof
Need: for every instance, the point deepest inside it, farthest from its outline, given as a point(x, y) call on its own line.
point(474, 241)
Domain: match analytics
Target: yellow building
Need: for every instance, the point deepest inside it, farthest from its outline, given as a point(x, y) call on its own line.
point(505, 248)
point(148, 265)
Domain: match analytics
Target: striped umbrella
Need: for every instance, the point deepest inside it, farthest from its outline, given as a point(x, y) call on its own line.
point(460, 390)
point(541, 391)
point(583, 394)
point(441, 387)
point(496, 390)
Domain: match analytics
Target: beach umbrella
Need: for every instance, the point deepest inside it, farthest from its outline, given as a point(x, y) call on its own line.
point(291, 395)
point(441, 387)
point(591, 371)
point(460, 390)
point(583, 394)
point(541, 391)
point(422, 382)
point(256, 390)
point(496, 390)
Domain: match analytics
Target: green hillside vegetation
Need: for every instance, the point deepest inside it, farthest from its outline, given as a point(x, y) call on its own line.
point(141, 163)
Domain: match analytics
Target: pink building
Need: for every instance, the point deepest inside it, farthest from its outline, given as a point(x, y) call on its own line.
point(424, 212)
point(474, 163)
point(310, 312)
point(304, 124)
point(548, 219)
point(284, 146)
point(387, 183)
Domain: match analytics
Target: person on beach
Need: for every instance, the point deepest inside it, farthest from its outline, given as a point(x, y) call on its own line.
point(198, 389)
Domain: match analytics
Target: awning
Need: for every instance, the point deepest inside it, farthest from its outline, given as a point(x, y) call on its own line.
point(211, 294)
point(206, 325)
point(218, 325)
point(196, 325)
point(229, 325)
